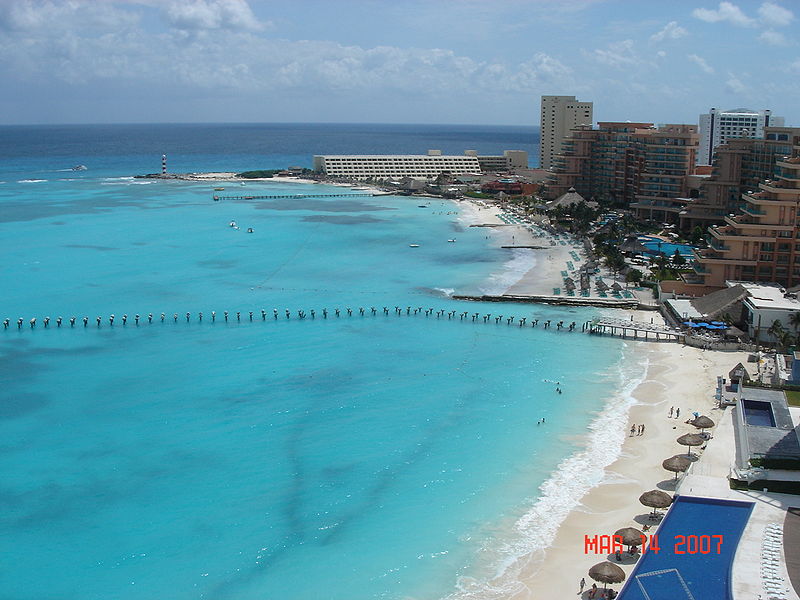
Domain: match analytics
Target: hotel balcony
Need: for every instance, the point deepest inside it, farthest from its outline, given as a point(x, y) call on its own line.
point(749, 209)
point(775, 187)
point(707, 255)
point(750, 223)
point(717, 245)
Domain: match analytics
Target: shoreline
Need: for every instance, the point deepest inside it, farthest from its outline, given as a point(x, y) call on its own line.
point(608, 498)
point(675, 375)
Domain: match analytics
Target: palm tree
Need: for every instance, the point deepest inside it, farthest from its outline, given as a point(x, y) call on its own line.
point(776, 330)
point(794, 321)
point(785, 339)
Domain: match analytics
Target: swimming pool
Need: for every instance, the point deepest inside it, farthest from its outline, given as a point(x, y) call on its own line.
point(697, 541)
point(656, 245)
point(758, 413)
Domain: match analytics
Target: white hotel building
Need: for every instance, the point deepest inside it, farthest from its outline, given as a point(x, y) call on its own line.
point(417, 166)
point(719, 125)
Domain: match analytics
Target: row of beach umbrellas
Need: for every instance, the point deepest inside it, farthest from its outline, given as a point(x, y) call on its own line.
point(607, 572)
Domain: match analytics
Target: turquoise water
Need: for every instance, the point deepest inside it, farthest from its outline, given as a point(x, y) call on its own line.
point(384, 456)
point(697, 542)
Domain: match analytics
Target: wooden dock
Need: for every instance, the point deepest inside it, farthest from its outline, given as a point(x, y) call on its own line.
point(634, 330)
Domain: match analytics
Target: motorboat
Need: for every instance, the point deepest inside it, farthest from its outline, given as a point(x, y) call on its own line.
point(413, 245)
point(218, 189)
point(453, 240)
point(250, 230)
point(79, 168)
point(233, 224)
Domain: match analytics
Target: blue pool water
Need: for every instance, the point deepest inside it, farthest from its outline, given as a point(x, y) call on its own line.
point(656, 245)
point(351, 457)
point(758, 413)
point(690, 556)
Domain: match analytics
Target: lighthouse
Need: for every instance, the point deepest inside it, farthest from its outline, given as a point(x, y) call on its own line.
point(163, 164)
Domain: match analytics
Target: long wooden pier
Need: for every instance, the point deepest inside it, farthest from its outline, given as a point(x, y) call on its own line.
point(294, 196)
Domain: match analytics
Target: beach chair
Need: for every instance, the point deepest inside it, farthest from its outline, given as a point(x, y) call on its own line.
point(556, 291)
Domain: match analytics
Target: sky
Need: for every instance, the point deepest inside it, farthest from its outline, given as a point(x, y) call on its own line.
point(399, 61)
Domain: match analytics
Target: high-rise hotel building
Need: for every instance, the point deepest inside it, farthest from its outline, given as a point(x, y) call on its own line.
point(559, 115)
point(762, 242)
point(719, 125)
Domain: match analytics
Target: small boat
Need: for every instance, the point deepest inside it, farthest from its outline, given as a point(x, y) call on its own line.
point(216, 198)
point(79, 168)
point(233, 224)
point(453, 240)
point(242, 183)
point(422, 206)
point(413, 245)
point(218, 189)
point(250, 230)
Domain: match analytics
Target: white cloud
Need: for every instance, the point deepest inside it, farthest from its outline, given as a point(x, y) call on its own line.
point(701, 62)
point(735, 85)
point(620, 54)
point(727, 12)
point(773, 38)
point(212, 14)
point(671, 31)
point(775, 15)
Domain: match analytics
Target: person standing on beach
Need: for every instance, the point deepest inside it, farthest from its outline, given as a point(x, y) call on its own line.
point(633, 429)
point(641, 429)
point(677, 412)
point(583, 584)
point(671, 410)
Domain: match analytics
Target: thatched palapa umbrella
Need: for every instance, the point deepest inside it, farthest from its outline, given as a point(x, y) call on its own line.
point(655, 499)
point(630, 537)
point(607, 572)
point(616, 287)
point(691, 439)
point(677, 464)
point(702, 422)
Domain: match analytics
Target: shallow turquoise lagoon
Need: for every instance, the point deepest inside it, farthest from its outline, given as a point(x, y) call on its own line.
point(374, 456)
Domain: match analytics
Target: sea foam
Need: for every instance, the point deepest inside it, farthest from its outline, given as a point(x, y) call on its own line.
point(560, 494)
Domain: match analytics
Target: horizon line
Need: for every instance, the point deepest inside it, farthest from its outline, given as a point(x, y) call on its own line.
point(73, 124)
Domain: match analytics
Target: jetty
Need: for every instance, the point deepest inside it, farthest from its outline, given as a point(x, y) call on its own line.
point(634, 330)
point(629, 303)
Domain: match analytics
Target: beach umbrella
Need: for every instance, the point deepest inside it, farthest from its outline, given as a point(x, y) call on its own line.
point(616, 287)
point(601, 285)
point(677, 464)
point(569, 285)
point(702, 422)
point(691, 439)
point(607, 572)
point(630, 537)
point(655, 499)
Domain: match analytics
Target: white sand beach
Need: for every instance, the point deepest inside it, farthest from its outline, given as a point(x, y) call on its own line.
point(677, 376)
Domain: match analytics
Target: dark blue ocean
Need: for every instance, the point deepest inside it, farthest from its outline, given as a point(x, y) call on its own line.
point(385, 454)
point(231, 147)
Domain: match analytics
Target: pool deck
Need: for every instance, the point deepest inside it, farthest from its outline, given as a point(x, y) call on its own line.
point(708, 477)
